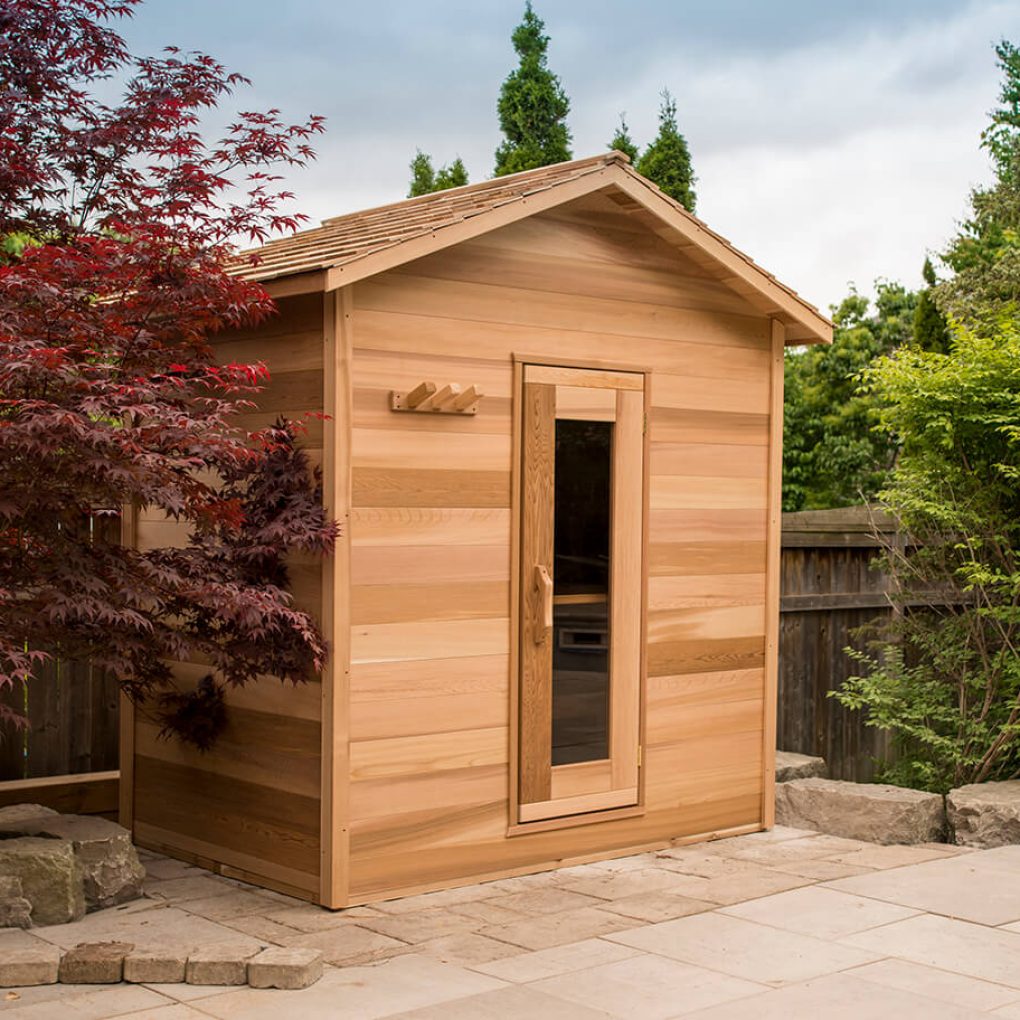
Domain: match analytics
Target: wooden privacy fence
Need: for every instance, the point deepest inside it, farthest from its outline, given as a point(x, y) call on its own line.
point(73, 712)
point(828, 590)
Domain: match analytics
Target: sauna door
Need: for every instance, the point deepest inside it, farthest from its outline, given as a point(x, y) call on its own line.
point(581, 587)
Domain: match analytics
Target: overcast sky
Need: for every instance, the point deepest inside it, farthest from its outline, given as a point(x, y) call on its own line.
point(834, 143)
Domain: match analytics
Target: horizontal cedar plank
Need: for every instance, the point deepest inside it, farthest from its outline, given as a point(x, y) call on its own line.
point(685, 392)
point(444, 600)
point(564, 274)
point(288, 392)
point(666, 694)
point(669, 724)
point(404, 369)
point(679, 425)
point(424, 564)
point(288, 352)
point(420, 487)
point(387, 642)
point(694, 492)
point(456, 826)
point(740, 525)
point(277, 751)
point(396, 699)
point(374, 874)
point(83, 793)
point(428, 752)
point(719, 459)
point(293, 315)
point(697, 624)
point(257, 820)
point(390, 449)
point(710, 765)
point(705, 590)
point(418, 526)
point(267, 694)
point(396, 795)
point(705, 655)
point(693, 558)
point(478, 302)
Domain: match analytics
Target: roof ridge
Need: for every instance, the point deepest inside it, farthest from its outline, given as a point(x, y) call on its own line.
point(603, 159)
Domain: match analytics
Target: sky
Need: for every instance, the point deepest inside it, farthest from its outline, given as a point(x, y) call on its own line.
point(835, 143)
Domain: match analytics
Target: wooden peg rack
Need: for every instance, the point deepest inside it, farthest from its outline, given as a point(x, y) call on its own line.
point(428, 398)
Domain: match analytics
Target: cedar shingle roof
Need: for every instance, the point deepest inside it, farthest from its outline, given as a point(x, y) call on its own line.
point(342, 240)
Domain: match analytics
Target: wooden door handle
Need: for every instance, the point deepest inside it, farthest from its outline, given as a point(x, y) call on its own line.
point(544, 591)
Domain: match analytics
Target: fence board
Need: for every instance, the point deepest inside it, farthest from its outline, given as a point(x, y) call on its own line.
point(829, 589)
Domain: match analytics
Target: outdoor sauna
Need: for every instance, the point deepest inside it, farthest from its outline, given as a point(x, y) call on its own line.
point(552, 431)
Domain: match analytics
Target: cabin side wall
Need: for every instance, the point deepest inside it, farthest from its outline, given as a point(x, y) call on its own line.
point(250, 807)
point(431, 544)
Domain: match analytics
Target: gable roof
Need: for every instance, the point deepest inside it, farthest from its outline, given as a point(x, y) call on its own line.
point(357, 245)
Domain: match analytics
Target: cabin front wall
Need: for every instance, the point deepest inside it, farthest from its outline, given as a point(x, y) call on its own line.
point(431, 536)
point(250, 806)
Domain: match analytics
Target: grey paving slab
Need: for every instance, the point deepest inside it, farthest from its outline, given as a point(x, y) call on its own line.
point(937, 984)
point(357, 993)
point(745, 949)
point(838, 997)
point(546, 963)
point(981, 887)
point(821, 913)
point(647, 986)
point(516, 1002)
point(961, 947)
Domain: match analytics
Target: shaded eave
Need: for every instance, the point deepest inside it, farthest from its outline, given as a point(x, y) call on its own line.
point(607, 174)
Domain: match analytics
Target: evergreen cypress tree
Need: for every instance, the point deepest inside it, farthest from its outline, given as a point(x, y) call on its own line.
point(532, 105)
point(622, 141)
point(452, 176)
point(423, 177)
point(667, 161)
point(931, 332)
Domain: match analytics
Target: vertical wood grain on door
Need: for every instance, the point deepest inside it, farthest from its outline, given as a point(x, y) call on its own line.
point(548, 790)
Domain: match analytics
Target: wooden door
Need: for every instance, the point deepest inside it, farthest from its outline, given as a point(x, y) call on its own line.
point(582, 590)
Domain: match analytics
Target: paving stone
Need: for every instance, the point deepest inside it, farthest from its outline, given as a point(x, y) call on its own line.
point(873, 812)
point(261, 928)
point(310, 918)
point(468, 949)
point(29, 965)
point(564, 959)
point(617, 885)
point(232, 903)
point(822, 871)
point(939, 984)
point(278, 967)
point(50, 875)
point(509, 1003)
point(879, 858)
point(418, 928)
point(985, 815)
point(558, 929)
point(94, 963)
point(223, 964)
point(190, 887)
point(350, 944)
point(165, 965)
point(655, 907)
point(548, 901)
point(796, 850)
point(790, 766)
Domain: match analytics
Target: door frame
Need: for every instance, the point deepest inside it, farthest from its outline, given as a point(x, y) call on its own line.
point(519, 360)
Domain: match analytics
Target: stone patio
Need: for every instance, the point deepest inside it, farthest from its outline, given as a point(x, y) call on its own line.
point(781, 924)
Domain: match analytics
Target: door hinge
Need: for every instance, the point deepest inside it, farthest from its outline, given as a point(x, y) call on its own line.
point(640, 756)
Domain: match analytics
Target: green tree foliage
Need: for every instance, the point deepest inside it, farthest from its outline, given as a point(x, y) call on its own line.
point(832, 455)
point(622, 141)
point(945, 677)
point(985, 255)
point(425, 178)
point(667, 161)
point(931, 331)
point(532, 105)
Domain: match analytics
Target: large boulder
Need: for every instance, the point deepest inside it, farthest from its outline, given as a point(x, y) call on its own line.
point(110, 868)
point(22, 812)
point(15, 910)
point(985, 815)
point(50, 876)
point(790, 766)
point(867, 811)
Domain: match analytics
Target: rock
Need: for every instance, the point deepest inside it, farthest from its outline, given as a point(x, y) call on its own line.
point(94, 963)
point(21, 812)
point(985, 815)
point(866, 811)
point(222, 964)
point(277, 967)
point(37, 965)
point(50, 874)
point(111, 871)
point(155, 966)
point(790, 765)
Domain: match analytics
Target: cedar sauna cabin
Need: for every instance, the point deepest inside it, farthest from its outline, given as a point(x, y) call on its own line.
point(553, 442)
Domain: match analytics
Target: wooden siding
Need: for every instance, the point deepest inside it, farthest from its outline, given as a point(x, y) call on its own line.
point(250, 806)
point(431, 544)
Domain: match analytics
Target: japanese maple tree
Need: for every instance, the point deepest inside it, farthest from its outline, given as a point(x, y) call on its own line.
point(116, 220)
